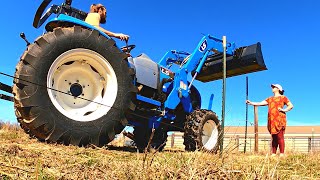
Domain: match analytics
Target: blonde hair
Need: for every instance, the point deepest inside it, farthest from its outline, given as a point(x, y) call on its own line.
point(94, 8)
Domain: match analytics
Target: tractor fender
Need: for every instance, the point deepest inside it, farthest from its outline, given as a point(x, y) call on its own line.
point(71, 21)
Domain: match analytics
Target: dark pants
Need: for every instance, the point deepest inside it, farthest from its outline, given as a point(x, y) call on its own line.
point(278, 140)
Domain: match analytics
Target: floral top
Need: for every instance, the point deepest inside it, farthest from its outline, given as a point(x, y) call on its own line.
point(276, 119)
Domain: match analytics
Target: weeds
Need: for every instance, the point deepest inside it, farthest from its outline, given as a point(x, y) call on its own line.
point(25, 158)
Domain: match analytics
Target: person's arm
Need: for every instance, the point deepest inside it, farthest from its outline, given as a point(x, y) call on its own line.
point(262, 103)
point(288, 108)
point(116, 35)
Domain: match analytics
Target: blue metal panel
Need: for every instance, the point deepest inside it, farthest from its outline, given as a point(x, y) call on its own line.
point(148, 100)
point(154, 122)
point(187, 105)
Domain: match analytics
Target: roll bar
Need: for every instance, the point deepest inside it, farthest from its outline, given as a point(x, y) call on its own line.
point(40, 17)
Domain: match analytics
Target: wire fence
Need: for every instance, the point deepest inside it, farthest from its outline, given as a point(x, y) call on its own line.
point(235, 143)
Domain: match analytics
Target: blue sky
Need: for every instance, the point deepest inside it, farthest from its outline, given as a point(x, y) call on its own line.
point(288, 31)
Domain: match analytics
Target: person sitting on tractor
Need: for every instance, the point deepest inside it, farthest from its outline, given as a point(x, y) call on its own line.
point(97, 16)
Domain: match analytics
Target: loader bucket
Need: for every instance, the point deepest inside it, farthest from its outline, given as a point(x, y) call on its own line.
point(245, 60)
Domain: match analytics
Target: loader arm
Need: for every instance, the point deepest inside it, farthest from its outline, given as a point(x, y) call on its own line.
point(205, 64)
point(181, 87)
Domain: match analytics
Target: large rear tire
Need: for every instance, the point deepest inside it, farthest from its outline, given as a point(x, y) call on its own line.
point(74, 87)
point(202, 131)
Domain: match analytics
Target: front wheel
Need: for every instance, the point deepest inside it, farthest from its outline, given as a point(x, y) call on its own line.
point(77, 89)
point(202, 131)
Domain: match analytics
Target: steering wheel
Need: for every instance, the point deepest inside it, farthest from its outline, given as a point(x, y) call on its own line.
point(128, 48)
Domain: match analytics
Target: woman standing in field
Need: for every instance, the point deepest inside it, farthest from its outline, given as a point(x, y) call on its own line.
point(276, 116)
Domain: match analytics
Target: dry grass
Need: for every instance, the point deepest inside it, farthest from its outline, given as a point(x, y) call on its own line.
point(24, 158)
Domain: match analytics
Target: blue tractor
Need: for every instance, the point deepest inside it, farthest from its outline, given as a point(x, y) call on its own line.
point(75, 85)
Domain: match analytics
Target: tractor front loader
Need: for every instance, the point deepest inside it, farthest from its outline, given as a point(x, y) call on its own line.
point(74, 85)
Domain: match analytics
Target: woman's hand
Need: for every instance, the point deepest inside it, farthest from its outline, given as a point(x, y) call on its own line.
point(248, 102)
point(262, 103)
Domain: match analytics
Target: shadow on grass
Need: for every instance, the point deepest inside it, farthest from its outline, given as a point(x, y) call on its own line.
point(124, 148)
point(134, 149)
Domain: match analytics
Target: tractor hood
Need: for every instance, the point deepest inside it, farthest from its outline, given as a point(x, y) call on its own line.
point(245, 60)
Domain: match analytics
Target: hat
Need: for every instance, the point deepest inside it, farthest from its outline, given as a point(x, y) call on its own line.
point(277, 86)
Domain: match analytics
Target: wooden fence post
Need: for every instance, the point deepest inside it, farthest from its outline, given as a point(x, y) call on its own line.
point(172, 140)
point(309, 144)
point(237, 142)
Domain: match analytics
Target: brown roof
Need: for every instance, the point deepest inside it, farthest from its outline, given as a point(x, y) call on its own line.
point(263, 129)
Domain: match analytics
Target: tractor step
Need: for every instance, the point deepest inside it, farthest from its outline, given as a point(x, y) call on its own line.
point(148, 100)
point(246, 60)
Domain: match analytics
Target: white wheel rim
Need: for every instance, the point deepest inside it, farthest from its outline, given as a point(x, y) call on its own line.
point(210, 135)
point(84, 75)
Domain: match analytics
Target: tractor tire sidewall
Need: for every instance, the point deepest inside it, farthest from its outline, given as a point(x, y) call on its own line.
point(35, 110)
point(194, 127)
point(213, 117)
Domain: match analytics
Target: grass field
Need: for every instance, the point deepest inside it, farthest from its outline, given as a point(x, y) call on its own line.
point(25, 158)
